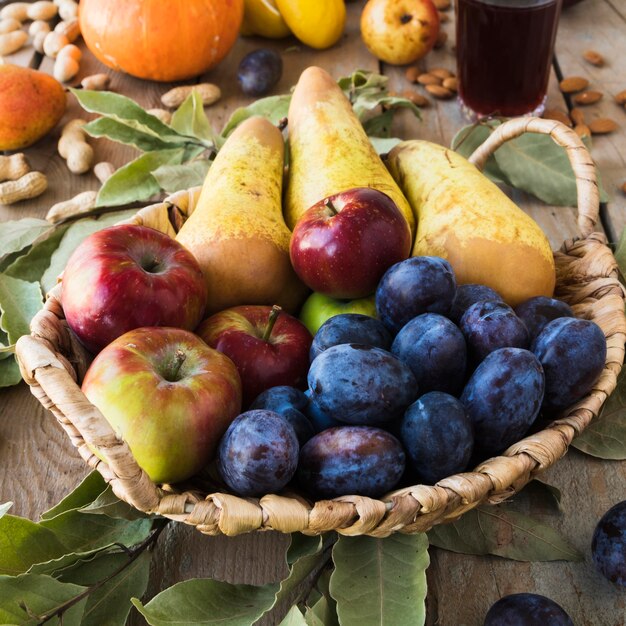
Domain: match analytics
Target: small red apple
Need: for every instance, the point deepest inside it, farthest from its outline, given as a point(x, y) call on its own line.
point(269, 347)
point(168, 395)
point(129, 276)
point(343, 245)
point(399, 31)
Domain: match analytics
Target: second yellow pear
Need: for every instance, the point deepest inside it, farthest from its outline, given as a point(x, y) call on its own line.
point(317, 23)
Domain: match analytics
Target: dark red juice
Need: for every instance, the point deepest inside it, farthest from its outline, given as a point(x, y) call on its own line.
point(504, 51)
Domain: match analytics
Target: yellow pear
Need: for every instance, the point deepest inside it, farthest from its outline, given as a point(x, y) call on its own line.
point(464, 218)
point(237, 232)
point(317, 23)
point(329, 150)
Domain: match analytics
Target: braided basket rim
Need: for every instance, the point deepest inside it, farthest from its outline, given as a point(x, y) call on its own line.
point(52, 361)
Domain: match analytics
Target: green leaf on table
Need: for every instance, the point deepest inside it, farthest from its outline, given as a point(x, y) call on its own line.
point(172, 178)
point(123, 109)
point(107, 503)
point(320, 614)
point(84, 533)
point(205, 602)
point(134, 181)
point(469, 138)
point(542, 493)
point(85, 493)
point(379, 126)
point(110, 604)
point(32, 265)
point(29, 595)
point(74, 235)
point(383, 145)
point(4, 508)
point(9, 372)
point(502, 532)
point(620, 254)
point(16, 235)
point(605, 437)
point(23, 543)
point(294, 618)
point(380, 581)
point(129, 134)
point(191, 120)
point(274, 108)
point(19, 302)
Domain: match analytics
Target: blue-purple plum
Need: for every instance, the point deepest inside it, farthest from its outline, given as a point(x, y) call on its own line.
point(359, 384)
point(538, 311)
point(358, 460)
point(526, 609)
point(320, 420)
point(291, 403)
point(259, 71)
point(489, 326)
point(608, 545)
point(438, 436)
point(421, 284)
point(503, 397)
point(258, 454)
point(350, 328)
point(466, 295)
point(434, 348)
point(572, 353)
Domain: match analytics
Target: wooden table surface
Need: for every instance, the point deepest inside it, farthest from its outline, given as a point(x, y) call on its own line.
point(40, 465)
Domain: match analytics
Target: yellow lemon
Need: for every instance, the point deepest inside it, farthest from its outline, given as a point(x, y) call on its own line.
point(261, 17)
point(318, 23)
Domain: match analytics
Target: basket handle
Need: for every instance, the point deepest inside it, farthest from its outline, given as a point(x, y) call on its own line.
point(579, 157)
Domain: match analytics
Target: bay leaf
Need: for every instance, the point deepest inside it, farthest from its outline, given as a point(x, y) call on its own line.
point(4, 508)
point(620, 255)
point(134, 181)
point(605, 437)
point(19, 303)
point(293, 618)
point(383, 145)
point(23, 543)
point(15, 235)
point(172, 178)
point(110, 604)
point(141, 138)
point(191, 120)
point(503, 532)
point(83, 494)
point(274, 108)
point(75, 234)
point(107, 503)
point(380, 581)
point(9, 372)
point(41, 595)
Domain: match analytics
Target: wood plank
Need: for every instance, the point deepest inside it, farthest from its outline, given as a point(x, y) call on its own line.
point(600, 25)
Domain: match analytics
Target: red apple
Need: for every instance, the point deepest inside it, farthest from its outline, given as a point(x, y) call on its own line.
point(269, 347)
point(343, 245)
point(129, 276)
point(168, 395)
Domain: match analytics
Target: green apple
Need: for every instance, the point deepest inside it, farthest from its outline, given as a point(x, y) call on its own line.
point(318, 308)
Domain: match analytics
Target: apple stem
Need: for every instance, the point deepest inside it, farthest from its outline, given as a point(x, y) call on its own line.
point(274, 313)
point(331, 206)
point(179, 359)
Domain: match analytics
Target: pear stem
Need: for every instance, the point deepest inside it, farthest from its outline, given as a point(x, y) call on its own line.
point(331, 206)
point(274, 313)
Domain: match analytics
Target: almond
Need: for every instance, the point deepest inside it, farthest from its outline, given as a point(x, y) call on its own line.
point(587, 97)
point(620, 98)
point(593, 57)
point(443, 17)
point(439, 92)
point(441, 72)
point(416, 98)
point(428, 79)
point(558, 115)
point(602, 126)
point(577, 115)
point(442, 5)
point(624, 187)
point(572, 84)
point(442, 37)
point(412, 73)
point(582, 130)
point(451, 83)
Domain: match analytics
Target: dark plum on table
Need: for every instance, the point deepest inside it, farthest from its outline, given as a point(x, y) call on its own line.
point(361, 460)
point(527, 609)
point(608, 545)
point(259, 71)
point(435, 350)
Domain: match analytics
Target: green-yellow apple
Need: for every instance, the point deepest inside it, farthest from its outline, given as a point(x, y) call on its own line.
point(318, 308)
point(399, 31)
point(168, 395)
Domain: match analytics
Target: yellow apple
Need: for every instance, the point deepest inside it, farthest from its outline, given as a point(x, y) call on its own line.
point(399, 31)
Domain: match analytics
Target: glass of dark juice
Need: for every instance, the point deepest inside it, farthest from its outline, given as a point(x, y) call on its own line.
point(504, 51)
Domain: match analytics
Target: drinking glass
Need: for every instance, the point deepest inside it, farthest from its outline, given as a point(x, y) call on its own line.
point(504, 51)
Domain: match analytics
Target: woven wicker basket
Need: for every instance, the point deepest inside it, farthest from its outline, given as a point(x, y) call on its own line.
point(53, 363)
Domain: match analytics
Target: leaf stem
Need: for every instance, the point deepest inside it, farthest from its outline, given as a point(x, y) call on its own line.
point(133, 554)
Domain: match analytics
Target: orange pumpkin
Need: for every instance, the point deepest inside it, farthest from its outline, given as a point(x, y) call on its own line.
point(164, 40)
